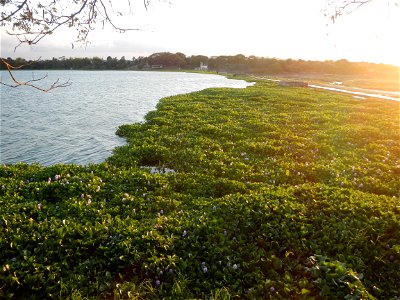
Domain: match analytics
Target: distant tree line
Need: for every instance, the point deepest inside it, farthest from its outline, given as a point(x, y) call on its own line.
point(236, 64)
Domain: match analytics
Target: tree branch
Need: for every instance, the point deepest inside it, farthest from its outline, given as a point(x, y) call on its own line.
point(31, 21)
point(30, 83)
point(337, 8)
point(32, 24)
point(14, 12)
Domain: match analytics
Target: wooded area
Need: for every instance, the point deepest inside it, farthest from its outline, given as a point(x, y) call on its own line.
point(237, 64)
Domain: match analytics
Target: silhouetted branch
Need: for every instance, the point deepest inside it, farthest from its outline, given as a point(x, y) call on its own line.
point(337, 8)
point(30, 83)
point(31, 21)
point(19, 7)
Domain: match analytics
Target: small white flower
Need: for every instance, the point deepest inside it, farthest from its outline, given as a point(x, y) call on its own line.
point(184, 233)
point(235, 266)
point(205, 269)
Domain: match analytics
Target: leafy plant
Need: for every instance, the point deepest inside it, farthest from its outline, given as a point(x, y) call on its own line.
point(263, 192)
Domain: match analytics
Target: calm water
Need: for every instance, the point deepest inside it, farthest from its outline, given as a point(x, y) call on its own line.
point(77, 124)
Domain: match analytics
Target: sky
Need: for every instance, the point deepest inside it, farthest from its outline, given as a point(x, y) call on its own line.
point(266, 28)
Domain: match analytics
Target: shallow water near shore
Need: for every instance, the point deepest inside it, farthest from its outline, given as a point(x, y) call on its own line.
point(77, 124)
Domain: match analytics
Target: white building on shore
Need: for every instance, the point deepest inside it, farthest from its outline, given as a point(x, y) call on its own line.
point(203, 67)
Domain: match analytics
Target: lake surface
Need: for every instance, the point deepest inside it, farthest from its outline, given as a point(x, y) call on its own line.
point(77, 124)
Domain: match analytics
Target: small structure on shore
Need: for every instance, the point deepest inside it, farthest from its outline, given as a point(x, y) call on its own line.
point(203, 67)
point(293, 83)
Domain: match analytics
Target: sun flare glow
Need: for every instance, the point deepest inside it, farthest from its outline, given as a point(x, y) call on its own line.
point(281, 29)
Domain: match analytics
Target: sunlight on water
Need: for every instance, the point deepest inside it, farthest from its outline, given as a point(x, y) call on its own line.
point(77, 124)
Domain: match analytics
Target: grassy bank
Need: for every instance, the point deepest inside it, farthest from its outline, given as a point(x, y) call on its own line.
point(263, 192)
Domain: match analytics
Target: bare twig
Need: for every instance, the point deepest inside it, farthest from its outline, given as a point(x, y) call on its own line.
point(108, 19)
point(30, 21)
point(13, 12)
point(30, 24)
point(337, 8)
point(31, 82)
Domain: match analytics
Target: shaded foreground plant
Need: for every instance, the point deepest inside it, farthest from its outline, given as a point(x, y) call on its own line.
point(256, 193)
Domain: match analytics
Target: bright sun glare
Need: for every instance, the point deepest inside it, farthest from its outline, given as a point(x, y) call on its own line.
point(282, 29)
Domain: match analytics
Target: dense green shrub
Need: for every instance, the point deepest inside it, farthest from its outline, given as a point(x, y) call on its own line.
point(263, 192)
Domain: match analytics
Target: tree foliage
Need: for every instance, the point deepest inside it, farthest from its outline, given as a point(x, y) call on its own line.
point(235, 64)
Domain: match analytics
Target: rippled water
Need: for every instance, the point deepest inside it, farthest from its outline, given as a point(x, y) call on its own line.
point(77, 124)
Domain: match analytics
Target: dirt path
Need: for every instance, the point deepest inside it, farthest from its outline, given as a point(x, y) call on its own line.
point(359, 92)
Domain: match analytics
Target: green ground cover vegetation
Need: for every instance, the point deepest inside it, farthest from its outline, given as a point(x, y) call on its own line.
point(257, 193)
